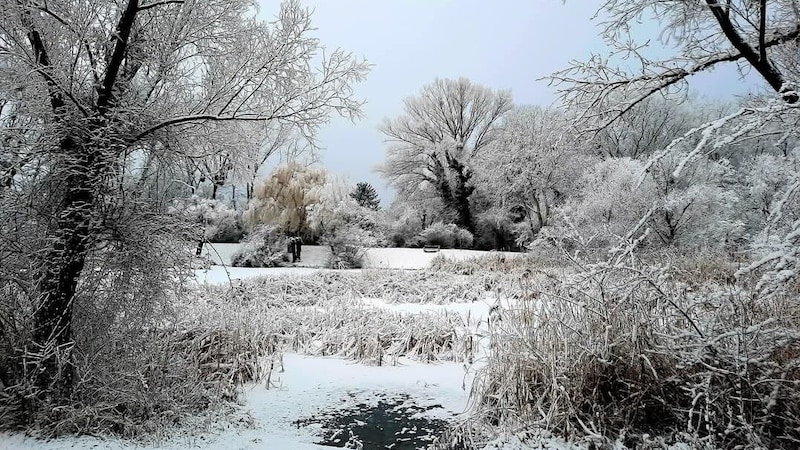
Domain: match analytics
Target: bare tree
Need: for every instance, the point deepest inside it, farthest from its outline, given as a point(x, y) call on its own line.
point(111, 85)
point(436, 141)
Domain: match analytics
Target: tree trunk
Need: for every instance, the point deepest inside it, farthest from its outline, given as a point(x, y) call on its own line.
point(461, 194)
point(61, 270)
point(199, 251)
point(461, 202)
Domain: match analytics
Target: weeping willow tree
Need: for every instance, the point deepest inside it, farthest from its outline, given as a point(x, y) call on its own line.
point(284, 198)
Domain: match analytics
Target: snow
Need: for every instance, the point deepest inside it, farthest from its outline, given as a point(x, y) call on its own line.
point(315, 257)
point(476, 310)
point(312, 383)
point(375, 258)
point(417, 258)
point(220, 253)
point(224, 275)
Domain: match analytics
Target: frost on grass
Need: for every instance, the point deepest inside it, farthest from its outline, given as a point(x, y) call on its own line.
point(324, 314)
point(636, 354)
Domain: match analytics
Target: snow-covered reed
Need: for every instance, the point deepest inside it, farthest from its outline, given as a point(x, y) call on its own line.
point(323, 314)
point(645, 356)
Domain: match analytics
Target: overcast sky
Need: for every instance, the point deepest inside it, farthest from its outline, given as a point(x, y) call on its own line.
point(502, 44)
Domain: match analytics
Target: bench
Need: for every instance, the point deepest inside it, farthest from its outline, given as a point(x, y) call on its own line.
point(430, 249)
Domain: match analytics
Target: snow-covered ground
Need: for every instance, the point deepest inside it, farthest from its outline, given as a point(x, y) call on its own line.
point(417, 258)
point(315, 258)
point(224, 275)
point(222, 254)
point(220, 272)
point(219, 253)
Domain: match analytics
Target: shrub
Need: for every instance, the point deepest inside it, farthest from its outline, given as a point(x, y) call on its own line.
point(227, 229)
point(265, 246)
point(446, 236)
point(219, 222)
point(348, 244)
point(134, 371)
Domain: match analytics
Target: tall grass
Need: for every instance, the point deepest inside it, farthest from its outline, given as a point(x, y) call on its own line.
point(323, 315)
point(633, 353)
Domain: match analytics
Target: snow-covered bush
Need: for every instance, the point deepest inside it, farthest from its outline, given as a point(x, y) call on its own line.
point(446, 236)
point(496, 230)
point(404, 228)
point(407, 217)
point(348, 245)
point(132, 371)
point(219, 222)
point(265, 246)
point(344, 226)
point(774, 197)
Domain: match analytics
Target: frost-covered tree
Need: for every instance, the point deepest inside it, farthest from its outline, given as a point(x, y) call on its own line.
point(757, 35)
point(219, 223)
point(284, 198)
point(406, 217)
point(697, 209)
point(365, 195)
point(652, 124)
point(436, 142)
point(531, 167)
point(611, 198)
point(112, 91)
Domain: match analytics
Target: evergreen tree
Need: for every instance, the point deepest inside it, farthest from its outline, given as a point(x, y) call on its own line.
point(364, 194)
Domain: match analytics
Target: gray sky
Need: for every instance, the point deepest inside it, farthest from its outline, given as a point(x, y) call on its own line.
point(505, 44)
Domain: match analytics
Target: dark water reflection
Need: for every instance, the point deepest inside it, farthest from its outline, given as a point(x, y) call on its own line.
point(395, 422)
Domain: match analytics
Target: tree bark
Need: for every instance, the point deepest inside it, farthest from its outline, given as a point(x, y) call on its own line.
point(61, 270)
point(461, 194)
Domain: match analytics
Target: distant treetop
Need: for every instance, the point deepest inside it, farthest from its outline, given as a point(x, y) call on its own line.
point(365, 195)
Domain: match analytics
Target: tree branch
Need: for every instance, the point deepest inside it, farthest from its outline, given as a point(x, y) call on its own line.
point(161, 3)
point(122, 34)
point(764, 66)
